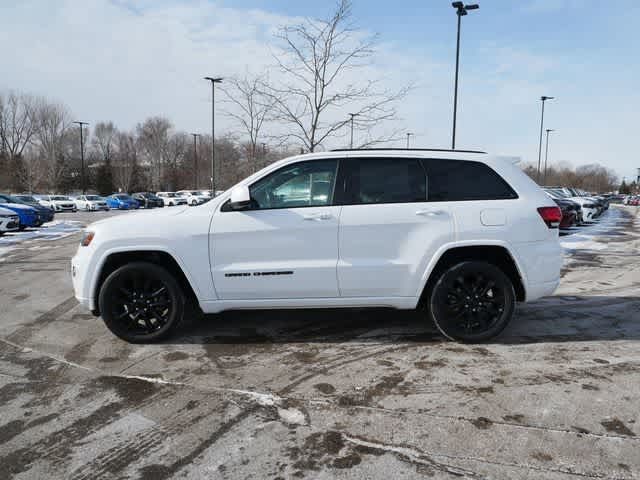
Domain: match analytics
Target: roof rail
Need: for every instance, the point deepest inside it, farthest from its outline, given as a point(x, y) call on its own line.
point(405, 149)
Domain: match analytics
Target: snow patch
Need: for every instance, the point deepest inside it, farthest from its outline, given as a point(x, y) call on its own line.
point(292, 416)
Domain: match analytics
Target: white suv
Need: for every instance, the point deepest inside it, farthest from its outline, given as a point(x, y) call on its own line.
point(193, 197)
point(91, 203)
point(171, 199)
point(465, 234)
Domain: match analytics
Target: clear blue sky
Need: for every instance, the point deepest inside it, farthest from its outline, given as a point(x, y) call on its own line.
point(124, 60)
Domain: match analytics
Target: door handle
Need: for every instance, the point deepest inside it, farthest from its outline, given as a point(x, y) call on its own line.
point(431, 213)
point(318, 216)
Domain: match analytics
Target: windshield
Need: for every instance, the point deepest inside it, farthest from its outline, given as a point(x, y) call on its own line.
point(122, 197)
point(171, 194)
point(26, 198)
point(60, 198)
point(93, 198)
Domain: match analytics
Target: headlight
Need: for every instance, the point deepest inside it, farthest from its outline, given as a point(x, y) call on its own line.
point(87, 237)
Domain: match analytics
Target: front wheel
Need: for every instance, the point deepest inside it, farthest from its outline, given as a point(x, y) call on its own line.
point(141, 302)
point(472, 302)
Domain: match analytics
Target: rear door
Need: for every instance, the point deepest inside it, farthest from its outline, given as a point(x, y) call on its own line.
point(388, 230)
point(285, 245)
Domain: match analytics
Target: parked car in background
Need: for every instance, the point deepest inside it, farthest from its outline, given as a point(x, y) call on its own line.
point(28, 215)
point(194, 197)
point(9, 221)
point(47, 214)
point(171, 199)
point(590, 208)
point(122, 201)
point(91, 203)
point(569, 213)
point(60, 203)
point(148, 200)
point(328, 230)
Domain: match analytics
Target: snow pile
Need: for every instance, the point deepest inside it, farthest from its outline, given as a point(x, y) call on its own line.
point(51, 231)
point(584, 237)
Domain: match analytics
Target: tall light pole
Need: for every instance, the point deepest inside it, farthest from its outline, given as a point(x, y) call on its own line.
point(408, 137)
point(542, 99)
point(546, 156)
point(461, 11)
point(352, 115)
point(213, 81)
point(195, 159)
point(81, 125)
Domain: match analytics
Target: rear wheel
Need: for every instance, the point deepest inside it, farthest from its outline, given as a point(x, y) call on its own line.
point(472, 302)
point(141, 302)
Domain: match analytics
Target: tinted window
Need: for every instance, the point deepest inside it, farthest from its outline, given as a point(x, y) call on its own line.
point(458, 180)
point(385, 180)
point(304, 184)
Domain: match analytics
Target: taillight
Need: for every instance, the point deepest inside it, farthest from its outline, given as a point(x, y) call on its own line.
point(551, 216)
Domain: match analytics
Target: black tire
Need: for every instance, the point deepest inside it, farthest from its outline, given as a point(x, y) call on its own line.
point(141, 302)
point(472, 302)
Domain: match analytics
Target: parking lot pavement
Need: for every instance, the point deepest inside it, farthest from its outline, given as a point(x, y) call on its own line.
point(326, 394)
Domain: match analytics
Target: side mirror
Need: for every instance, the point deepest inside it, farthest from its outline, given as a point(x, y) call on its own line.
point(240, 198)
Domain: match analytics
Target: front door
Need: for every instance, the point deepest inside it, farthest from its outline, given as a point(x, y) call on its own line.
point(285, 245)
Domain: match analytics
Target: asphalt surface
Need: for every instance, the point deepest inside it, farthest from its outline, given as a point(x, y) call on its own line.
point(324, 394)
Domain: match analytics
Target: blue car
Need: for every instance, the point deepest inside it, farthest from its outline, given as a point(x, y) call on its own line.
point(28, 215)
point(122, 201)
point(46, 214)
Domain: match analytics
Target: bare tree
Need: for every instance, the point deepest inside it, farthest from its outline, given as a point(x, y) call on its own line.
point(248, 107)
point(319, 62)
point(53, 122)
point(104, 139)
point(177, 148)
point(125, 161)
point(18, 123)
point(153, 135)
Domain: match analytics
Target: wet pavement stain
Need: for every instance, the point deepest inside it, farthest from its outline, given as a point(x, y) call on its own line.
point(615, 425)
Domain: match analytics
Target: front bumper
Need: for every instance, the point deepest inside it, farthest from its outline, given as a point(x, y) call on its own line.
point(9, 224)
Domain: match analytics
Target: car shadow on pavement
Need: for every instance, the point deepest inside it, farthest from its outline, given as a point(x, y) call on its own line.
point(553, 319)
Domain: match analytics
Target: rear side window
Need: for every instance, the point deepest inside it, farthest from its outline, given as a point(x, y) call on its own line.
point(384, 180)
point(460, 180)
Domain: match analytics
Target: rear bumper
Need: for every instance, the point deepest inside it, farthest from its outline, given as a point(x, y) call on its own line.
point(538, 290)
point(541, 263)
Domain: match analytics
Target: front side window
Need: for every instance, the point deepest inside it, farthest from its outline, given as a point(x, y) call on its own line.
point(385, 180)
point(460, 180)
point(304, 184)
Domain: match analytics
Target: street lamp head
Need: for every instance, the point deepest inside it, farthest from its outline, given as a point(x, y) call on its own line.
point(550, 130)
point(214, 79)
point(462, 9)
point(545, 98)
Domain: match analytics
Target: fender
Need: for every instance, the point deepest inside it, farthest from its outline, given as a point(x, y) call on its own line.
point(469, 243)
point(140, 248)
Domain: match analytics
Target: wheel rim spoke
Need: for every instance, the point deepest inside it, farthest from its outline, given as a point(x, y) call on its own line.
point(472, 303)
point(141, 303)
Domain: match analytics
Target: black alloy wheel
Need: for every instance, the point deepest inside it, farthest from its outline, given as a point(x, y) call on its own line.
point(472, 302)
point(141, 302)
